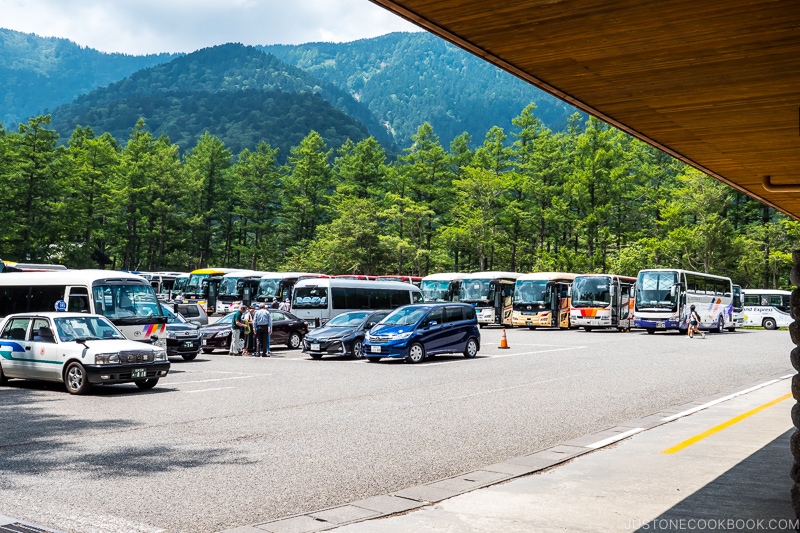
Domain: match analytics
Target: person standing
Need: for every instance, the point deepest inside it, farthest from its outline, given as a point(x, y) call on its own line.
point(249, 334)
point(284, 306)
point(262, 322)
point(694, 323)
point(275, 304)
point(237, 328)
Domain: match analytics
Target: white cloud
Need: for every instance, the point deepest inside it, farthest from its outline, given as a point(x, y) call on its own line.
point(152, 26)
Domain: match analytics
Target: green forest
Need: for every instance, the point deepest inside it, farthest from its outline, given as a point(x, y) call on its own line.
point(587, 199)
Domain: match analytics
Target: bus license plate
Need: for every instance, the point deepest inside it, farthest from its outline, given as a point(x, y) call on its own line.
point(661, 325)
point(375, 349)
point(315, 347)
point(139, 373)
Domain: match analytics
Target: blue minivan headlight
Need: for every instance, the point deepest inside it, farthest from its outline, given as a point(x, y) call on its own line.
point(402, 336)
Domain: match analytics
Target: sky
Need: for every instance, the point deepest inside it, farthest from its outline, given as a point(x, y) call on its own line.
point(152, 26)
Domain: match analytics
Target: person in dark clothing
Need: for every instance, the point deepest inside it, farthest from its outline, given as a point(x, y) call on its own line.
point(262, 322)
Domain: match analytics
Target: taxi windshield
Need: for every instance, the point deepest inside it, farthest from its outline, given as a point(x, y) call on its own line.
point(86, 328)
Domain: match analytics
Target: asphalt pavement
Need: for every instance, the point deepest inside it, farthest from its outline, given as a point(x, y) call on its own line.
point(231, 442)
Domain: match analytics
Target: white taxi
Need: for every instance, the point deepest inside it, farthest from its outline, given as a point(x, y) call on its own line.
point(77, 349)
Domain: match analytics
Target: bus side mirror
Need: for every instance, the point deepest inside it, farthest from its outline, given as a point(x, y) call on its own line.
point(569, 291)
point(672, 291)
point(612, 290)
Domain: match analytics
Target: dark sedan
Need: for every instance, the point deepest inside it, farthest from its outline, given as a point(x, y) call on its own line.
point(342, 335)
point(286, 329)
point(182, 338)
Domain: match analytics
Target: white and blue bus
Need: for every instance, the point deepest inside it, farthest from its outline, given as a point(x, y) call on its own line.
point(768, 308)
point(664, 298)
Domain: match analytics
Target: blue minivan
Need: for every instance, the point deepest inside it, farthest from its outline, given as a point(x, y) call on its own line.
point(414, 332)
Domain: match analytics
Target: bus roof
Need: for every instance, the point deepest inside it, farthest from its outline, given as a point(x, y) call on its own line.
point(617, 276)
point(214, 271)
point(69, 277)
point(290, 275)
point(766, 291)
point(491, 274)
point(684, 271)
point(550, 276)
point(445, 276)
point(243, 273)
point(356, 283)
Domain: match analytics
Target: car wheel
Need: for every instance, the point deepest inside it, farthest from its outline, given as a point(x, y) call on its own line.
point(770, 323)
point(472, 349)
point(189, 356)
point(416, 353)
point(208, 350)
point(651, 331)
point(75, 379)
point(358, 348)
point(3, 377)
point(373, 359)
point(316, 356)
point(146, 384)
point(295, 340)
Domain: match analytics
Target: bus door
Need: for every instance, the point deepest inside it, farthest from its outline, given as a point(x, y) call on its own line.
point(553, 293)
point(78, 300)
point(212, 293)
point(498, 304)
point(562, 291)
point(621, 311)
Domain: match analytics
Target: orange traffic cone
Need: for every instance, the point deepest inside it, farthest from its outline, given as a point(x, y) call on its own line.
point(504, 341)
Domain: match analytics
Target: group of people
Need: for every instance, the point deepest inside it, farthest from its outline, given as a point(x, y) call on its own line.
point(254, 325)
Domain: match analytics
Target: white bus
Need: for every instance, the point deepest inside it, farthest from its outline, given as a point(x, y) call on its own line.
point(492, 294)
point(279, 285)
point(318, 300)
point(444, 287)
point(766, 308)
point(231, 291)
point(541, 300)
point(127, 300)
point(664, 297)
point(601, 301)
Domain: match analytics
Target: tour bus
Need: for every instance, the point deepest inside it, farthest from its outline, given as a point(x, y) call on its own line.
point(738, 308)
point(203, 285)
point(231, 290)
point(664, 298)
point(179, 287)
point(602, 301)
point(492, 294)
point(318, 300)
point(279, 285)
point(767, 308)
point(164, 282)
point(444, 287)
point(414, 280)
point(127, 300)
point(541, 300)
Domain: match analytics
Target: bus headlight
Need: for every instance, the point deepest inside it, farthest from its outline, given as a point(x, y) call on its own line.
point(106, 359)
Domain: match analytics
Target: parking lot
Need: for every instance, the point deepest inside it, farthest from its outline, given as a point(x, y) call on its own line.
point(227, 441)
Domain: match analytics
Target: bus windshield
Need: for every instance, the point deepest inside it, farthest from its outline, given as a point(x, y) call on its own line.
point(128, 304)
point(531, 291)
point(268, 288)
point(310, 298)
point(591, 292)
point(654, 290)
point(435, 290)
point(229, 286)
point(475, 290)
point(195, 283)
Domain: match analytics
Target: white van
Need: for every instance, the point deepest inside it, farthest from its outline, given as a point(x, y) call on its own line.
point(767, 308)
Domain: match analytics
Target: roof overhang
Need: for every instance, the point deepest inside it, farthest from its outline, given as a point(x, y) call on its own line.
point(715, 84)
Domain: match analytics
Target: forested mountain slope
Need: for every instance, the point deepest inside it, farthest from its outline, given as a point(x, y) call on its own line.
point(40, 73)
point(406, 79)
point(235, 92)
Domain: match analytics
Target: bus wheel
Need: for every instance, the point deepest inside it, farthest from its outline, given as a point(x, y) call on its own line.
point(75, 379)
point(650, 331)
point(587, 328)
point(770, 323)
point(532, 328)
point(720, 325)
point(731, 329)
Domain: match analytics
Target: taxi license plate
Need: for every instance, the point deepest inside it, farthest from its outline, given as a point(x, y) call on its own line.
point(315, 347)
point(139, 373)
point(661, 325)
point(188, 344)
point(375, 349)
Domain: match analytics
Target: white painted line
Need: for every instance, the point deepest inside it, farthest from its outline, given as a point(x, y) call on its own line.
point(615, 438)
point(218, 379)
point(723, 399)
point(206, 390)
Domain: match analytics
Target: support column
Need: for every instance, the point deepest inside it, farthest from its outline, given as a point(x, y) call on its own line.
point(794, 331)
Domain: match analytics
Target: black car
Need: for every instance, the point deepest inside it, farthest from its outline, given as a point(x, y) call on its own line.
point(182, 337)
point(286, 329)
point(342, 335)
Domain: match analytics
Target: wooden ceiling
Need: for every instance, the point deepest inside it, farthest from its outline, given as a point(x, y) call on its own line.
point(716, 84)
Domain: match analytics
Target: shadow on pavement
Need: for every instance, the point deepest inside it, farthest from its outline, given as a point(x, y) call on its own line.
point(752, 496)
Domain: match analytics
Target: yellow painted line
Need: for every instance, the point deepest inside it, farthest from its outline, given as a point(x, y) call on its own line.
point(729, 423)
